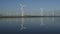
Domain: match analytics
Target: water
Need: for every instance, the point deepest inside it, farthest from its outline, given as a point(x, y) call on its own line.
point(33, 25)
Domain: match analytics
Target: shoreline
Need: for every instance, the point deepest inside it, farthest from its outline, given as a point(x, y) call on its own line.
point(25, 16)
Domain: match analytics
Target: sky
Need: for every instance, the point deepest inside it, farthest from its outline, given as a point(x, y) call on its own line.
point(12, 6)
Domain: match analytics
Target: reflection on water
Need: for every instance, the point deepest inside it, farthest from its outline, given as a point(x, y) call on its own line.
point(53, 20)
point(42, 22)
point(22, 25)
point(29, 25)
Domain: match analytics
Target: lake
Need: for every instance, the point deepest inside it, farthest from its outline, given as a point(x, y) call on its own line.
point(41, 25)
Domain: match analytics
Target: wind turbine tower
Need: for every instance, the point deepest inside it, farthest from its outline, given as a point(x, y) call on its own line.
point(41, 13)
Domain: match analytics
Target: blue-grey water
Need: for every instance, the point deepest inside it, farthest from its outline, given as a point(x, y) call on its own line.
point(33, 25)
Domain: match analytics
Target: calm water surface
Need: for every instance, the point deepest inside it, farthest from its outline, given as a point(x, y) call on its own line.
point(33, 25)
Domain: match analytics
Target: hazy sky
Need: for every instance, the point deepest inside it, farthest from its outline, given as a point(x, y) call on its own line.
point(12, 6)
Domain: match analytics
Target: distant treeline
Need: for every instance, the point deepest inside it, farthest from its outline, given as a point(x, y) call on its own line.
point(14, 16)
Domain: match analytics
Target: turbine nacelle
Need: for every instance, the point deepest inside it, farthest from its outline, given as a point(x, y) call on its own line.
point(22, 5)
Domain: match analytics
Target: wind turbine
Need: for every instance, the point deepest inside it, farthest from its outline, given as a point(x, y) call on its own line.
point(41, 13)
point(22, 9)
